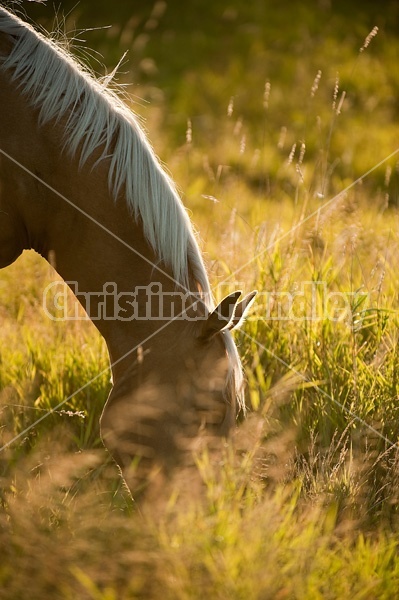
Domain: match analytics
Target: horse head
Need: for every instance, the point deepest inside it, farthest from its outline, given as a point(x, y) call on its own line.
point(178, 391)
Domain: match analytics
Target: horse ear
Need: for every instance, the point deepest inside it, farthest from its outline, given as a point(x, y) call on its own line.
point(241, 309)
point(220, 317)
point(228, 314)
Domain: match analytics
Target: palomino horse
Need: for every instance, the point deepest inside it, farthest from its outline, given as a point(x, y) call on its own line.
point(80, 183)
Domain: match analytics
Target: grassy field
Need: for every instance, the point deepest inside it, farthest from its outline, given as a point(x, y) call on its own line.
point(282, 135)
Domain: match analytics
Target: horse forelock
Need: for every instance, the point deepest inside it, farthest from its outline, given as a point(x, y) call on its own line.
point(59, 86)
point(235, 378)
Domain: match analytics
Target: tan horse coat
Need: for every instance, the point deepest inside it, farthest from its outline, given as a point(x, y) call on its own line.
point(172, 378)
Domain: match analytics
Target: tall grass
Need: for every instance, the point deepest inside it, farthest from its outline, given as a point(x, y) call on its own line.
point(302, 502)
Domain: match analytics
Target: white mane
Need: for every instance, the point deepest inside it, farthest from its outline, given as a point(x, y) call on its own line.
point(57, 85)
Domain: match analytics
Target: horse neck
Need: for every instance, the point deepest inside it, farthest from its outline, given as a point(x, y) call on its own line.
point(103, 252)
point(67, 212)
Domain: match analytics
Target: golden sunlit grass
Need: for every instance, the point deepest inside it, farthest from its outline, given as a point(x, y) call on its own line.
point(302, 503)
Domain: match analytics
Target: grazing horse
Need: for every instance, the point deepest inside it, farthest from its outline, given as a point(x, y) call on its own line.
point(80, 183)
